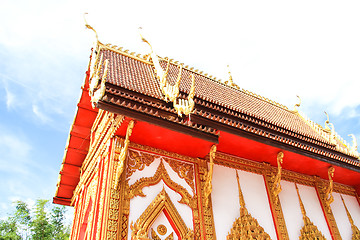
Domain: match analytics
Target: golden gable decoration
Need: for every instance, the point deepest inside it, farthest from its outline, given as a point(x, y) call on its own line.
point(140, 229)
point(246, 226)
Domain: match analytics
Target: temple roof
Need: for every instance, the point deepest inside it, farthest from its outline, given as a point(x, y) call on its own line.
point(224, 114)
point(218, 102)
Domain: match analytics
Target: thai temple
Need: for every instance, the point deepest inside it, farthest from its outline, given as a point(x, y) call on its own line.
point(159, 150)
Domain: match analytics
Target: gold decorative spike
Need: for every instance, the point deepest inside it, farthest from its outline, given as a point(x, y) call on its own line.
point(354, 228)
point(172, 92)
point(297, 105)
point(91, 28)
point(154, 235)
point(123, 151)
point(246, 227)
point(309, 230)
point(329, 189)
point(171, 237)
point(186, 106)
point(209, 174)
point(276, 189)
point(230, 81)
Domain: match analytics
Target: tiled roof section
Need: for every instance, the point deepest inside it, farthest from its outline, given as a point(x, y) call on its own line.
point(138, 75)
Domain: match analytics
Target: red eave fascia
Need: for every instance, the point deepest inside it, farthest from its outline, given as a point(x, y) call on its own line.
point(76, 148)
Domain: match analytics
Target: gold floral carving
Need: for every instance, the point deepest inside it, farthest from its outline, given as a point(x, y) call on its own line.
point(121, 151)
point(309, 230)
point(354, 228)
point(329, 189)
point(137, 160)
point(246, 226)
point(208, 176)
point(184, 171)
point(140, 229)
point(276, 188)
point(161, 174)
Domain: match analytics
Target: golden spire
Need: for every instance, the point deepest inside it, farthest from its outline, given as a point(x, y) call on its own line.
point(246, 227)
point(355, 230)
point(241, 196)
point(309, 230)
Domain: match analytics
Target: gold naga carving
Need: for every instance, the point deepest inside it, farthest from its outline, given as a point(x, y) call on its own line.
point(354, 228)
point(161, 174)
point(208, 176)
point(140, 229)
point(246, 226)
point(309, 230)
point(171, 92)
point(329, 189)
point(122, 149)
point(186, 106)
point(96, 92)
point(276, 188)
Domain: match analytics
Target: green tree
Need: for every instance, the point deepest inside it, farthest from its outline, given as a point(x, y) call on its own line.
point(9, 230)
point(37, 223)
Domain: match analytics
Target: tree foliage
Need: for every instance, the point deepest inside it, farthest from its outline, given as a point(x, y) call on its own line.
point(37, 223)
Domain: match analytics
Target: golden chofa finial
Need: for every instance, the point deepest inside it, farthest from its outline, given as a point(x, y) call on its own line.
point(91, 28)
point(298, 104)
point(230, 81)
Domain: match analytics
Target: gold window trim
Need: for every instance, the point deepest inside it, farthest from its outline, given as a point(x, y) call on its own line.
point(141, 228)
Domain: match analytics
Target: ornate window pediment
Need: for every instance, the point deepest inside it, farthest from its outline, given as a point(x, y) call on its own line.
point(141, 229)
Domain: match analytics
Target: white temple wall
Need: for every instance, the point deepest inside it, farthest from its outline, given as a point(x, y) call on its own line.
point(225, 200)
point(162, 219)
point(341, 218)
point(292, 211)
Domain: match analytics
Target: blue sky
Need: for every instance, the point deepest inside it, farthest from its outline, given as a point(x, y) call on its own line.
point(278, 49)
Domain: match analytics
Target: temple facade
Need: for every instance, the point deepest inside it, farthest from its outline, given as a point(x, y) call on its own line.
point(158, 150)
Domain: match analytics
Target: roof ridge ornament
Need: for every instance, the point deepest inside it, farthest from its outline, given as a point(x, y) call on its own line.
point(91, 28)
point(230, 81)
point(297, 105)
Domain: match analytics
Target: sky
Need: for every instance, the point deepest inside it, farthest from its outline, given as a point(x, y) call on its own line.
point(277, 49)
